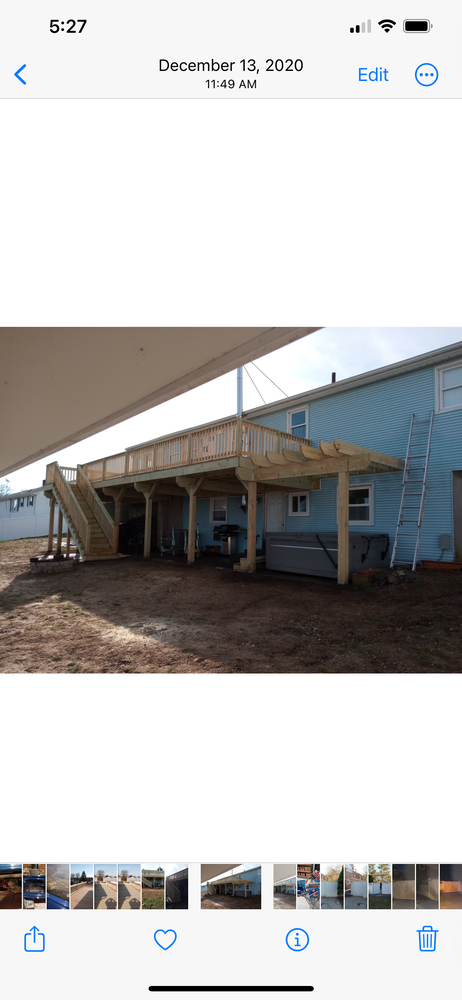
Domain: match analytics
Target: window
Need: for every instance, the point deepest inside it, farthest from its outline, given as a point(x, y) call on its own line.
point(30, 501)
point(14, 504)
point(297, 422)
point(361, 504)
point(218, 510)
point(449, 387)
point(299, 503)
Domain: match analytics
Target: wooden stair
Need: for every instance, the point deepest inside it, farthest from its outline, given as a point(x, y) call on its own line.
point(88, 520)
point(99, 545)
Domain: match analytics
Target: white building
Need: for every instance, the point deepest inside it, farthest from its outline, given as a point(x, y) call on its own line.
point(25, 515)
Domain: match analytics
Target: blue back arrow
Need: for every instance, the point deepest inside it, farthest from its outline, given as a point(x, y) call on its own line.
point(18, 71)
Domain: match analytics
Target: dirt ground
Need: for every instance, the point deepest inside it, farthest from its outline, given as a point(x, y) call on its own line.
point(230, 903)
point(160, 616)
point(284, 901)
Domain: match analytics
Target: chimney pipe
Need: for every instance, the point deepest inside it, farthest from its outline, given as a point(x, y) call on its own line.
point(334, 376)
point(240, 391)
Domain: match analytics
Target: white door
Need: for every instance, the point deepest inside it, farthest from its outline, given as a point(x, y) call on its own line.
point(275, 511)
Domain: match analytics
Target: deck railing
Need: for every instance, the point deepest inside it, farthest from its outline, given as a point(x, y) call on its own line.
point(71, 505)
point(224, 440)
point(70, 475)
point(102, 516)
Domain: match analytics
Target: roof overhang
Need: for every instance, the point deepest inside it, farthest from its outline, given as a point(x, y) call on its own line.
point(60, 386)
point(213, 871)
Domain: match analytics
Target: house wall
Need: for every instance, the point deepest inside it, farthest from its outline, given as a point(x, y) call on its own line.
point(235, 516)
point(379, 416)
point(27, 522)
point(255, 885)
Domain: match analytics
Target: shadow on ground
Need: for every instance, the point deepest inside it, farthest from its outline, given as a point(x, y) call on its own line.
point(161, 616)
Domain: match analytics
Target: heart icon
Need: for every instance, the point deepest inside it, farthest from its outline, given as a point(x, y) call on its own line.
point(169, 938)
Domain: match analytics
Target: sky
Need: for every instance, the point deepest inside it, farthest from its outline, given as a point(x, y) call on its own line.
point(131, 869)
point(306, 364)
point(359, 866)
point(87, 868)
point(152, 865)
point(170, 869)
point(107, 869)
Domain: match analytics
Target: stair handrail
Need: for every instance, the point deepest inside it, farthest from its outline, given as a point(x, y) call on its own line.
point(71, 505)
point(96, 505)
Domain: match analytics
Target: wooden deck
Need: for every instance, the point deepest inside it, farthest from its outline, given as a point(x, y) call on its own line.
point(223, 459)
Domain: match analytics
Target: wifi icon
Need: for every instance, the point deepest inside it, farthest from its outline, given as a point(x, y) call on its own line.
point(387, 24)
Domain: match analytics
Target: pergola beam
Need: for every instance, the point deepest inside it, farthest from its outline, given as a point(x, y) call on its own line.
point(326, 466)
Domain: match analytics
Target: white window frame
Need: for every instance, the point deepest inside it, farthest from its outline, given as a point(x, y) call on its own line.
point(211, 518)
point(361, 486)
point(298, 409)
point(439, 391)
point(298, 513)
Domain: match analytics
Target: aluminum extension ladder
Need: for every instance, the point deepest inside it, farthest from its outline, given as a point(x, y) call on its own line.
point(407, 539)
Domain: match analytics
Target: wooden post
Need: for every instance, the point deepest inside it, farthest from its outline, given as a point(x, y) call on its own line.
point(118, 504)
point(60, 532)
point(68, 542)
point(252, 527)
point(343, 570)
point(239, 436)
point(192, 527)
point(51, 525)
point(147, 526)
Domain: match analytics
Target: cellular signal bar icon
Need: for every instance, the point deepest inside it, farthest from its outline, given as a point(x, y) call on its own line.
point(363, 27)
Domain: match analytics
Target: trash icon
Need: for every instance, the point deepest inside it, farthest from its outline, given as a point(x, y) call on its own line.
point(427, 939)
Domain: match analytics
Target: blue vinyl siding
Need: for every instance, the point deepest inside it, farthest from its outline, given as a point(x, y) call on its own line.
point(377, 416)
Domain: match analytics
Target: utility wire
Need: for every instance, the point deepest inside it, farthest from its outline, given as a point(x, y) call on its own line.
point(269, 379)
point(253, 383)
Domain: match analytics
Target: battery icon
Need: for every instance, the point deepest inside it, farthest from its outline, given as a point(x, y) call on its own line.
point(415, 26)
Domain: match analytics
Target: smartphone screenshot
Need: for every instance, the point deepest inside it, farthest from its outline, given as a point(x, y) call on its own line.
point(230, 499)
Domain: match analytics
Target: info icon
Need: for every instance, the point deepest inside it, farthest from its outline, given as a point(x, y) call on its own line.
point(297, 939)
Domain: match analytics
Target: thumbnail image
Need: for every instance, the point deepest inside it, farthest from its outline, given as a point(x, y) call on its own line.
point(332, 886)
point(34, 886)
point(284, 887)
point(105, 886)
point(176, 886)
point(10, 886)
point(308, 886)
point(356, 885)
point(451, 887)
point(58, 887)
point(380, 887)
point(231, 887)
point(226, 485)
point(129, 887)
point(426, 887)
point(403, 887)
point(82, 886)
point(153, 885)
